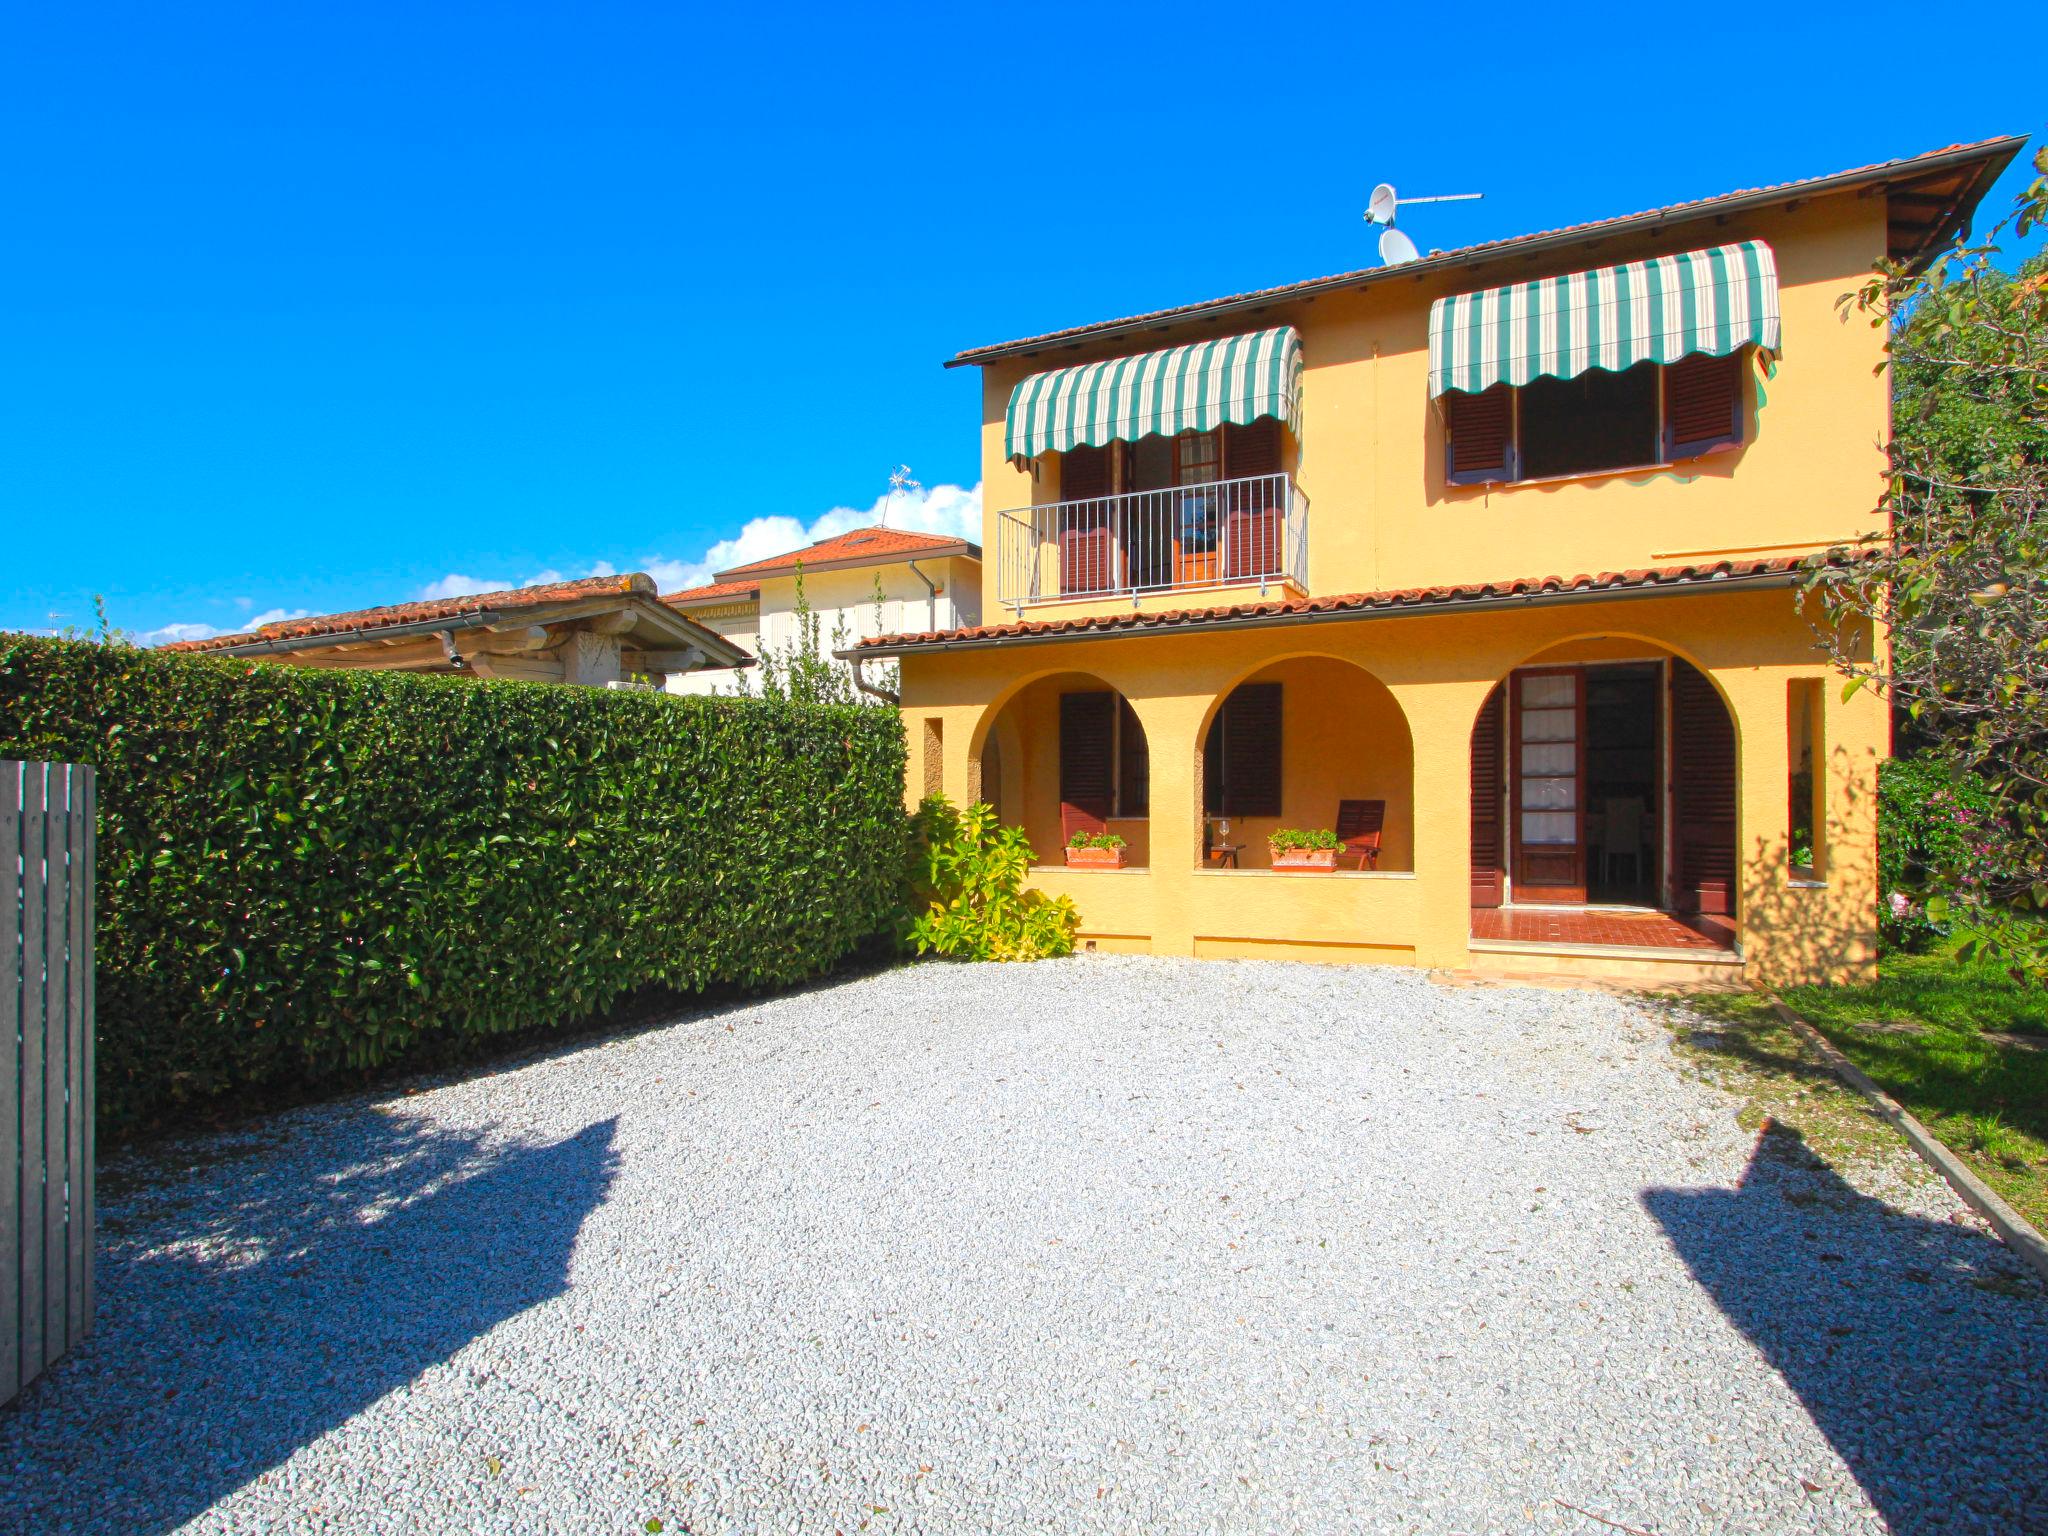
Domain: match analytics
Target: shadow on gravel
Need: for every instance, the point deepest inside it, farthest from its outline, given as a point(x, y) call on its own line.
point(250, 1310)
point(1920, 1348)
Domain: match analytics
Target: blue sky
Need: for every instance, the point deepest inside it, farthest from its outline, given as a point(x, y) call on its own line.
point(311, 307)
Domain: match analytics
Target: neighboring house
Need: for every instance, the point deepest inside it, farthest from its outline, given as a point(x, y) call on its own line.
point(928, 582)
point(607, 629)
point(1495, 550)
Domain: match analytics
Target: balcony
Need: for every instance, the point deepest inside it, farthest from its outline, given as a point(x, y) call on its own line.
point(1249, 532)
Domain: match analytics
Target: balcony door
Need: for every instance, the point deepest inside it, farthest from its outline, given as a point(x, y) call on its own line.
point(1549, 780)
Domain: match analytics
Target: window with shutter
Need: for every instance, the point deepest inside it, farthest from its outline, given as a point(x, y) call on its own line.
point(1479, 433)
point(1241, 757)
point(1702, 405)
point(1595, 422)
point(1133, 763)
point(1087, 766)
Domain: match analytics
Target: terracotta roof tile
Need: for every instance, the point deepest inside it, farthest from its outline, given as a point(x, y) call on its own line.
point(362, 620)
point(855, 546)
point(1361, 603)
point(1987, 149)
point(716, 590)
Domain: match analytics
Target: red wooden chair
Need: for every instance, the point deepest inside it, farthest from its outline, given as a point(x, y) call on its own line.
point(1359, 823)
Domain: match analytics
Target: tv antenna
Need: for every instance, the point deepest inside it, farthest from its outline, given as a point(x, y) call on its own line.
point(1381, 207)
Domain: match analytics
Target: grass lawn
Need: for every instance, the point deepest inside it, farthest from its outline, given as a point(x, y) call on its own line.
point(1988, 1101)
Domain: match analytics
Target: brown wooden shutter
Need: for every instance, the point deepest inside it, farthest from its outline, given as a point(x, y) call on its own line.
point(1702, 405)
point(1479, 431)
point(1134, 763)
point(1253, 449)
point(1251, 513)
point(1088, 561)
point(1086, 723)
point(1489, 854)
point(1084, 473)
point(1702, 793)
point(1241, 760)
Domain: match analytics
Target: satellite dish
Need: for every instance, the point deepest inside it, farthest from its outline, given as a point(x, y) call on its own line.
point(1380, 210)
point(1396, 247)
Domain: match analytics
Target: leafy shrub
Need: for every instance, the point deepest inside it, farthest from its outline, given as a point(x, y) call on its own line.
point(1095, 840)
point(968, 880)
point(303, 873)
point(1933, 829)
point(1286, 839)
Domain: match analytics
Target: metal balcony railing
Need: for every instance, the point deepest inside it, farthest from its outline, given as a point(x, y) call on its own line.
point(1227, 533)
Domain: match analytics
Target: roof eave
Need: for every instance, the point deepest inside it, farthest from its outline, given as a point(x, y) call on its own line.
point(672, 625)
point(959, 549)
point(1994, 155)
point(1287, 618)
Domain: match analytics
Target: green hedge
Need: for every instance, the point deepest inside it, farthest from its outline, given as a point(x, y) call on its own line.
point(305, 874)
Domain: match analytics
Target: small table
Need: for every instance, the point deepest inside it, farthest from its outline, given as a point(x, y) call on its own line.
point(1225, 854)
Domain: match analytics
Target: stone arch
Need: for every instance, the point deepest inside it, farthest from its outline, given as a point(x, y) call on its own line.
point(1344, 736)
point(1014, 756)
point(1687, 854)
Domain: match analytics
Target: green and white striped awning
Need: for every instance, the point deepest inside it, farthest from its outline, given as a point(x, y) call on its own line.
point(1182, 389)
point(1712, 301)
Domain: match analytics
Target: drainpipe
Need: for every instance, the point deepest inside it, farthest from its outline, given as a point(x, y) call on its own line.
point(860, 681)
point(932, 601)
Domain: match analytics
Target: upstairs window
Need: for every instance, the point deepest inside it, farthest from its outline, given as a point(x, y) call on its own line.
point(1595, 422)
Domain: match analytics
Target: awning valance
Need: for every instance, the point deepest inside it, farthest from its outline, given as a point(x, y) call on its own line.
point(1181, 389)
point(1711, 301)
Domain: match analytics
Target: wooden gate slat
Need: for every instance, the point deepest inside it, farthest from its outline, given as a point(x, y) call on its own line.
point(56, 1061)
point(88, 1030)
point(34, 1031)
point(11, 968)
point(77, 833)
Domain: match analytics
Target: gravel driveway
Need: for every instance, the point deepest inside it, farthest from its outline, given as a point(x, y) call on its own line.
point(1101, 1245)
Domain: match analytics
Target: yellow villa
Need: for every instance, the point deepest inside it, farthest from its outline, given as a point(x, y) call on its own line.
point(1484, 561)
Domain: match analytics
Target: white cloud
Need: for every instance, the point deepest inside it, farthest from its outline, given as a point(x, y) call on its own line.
point(278, 616)
point(455, 585)
point(171, 632)
point(952, 510)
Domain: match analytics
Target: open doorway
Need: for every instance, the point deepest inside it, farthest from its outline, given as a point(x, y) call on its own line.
point(1586, 750)
point(1623, 832)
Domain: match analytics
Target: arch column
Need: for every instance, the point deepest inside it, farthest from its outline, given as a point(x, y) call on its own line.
point(1440, 719)
point(1173, 727)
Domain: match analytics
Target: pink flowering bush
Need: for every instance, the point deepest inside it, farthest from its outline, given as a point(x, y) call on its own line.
point(1937, 835)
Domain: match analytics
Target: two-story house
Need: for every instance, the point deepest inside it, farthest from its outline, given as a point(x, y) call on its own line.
point(1489, 558)
point(858, 585)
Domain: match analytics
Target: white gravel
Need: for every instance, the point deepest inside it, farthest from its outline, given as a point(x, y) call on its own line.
point(1102, 1245)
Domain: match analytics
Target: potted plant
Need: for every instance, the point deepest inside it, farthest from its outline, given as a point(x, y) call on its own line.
point(1313, 849)
point(1095, 850)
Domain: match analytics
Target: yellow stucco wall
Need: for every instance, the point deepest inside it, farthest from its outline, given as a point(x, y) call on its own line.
point(1437, 668)
point(1371, 449)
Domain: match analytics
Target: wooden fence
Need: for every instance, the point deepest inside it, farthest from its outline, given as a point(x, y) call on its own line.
point(46, 1088)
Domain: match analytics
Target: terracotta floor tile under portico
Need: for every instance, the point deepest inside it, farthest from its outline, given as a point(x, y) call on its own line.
point(1634, 930)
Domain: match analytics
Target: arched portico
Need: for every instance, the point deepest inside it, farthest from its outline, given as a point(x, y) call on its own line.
point(1065, 752)
point(1605, 793)
point(1305, 741)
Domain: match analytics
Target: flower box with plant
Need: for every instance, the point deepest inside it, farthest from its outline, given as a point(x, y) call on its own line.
point(1315, 849)
point(1095, 850)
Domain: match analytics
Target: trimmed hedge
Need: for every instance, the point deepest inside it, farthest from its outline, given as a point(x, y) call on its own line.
point(305, 874)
